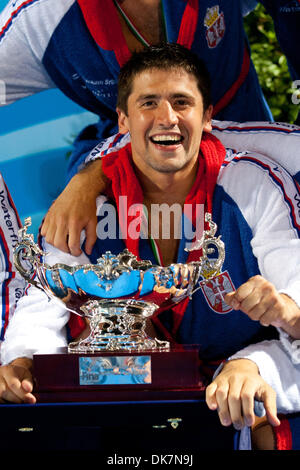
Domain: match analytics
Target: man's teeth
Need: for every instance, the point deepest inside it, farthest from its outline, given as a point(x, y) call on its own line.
point(167, 139)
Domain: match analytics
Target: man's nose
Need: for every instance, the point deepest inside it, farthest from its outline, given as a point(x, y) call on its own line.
point(166, 115)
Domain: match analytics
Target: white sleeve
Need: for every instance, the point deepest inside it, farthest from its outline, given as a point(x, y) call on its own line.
point(25, 30)
point(278, 141)
point(11, 283)
point(277, 369)
point(39, 324)
point(268, 199)
point(107, 146)
point(276, 241)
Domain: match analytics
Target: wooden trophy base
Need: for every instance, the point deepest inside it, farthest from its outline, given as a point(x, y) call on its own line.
point(118, 376)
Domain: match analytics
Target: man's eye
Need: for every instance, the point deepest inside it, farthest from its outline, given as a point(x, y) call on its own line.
point(181, 102)
point(148, 104)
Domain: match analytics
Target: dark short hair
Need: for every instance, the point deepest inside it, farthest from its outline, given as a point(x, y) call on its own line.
point(165, 56)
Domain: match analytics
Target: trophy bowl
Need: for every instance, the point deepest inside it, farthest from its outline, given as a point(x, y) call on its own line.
point(119, 293)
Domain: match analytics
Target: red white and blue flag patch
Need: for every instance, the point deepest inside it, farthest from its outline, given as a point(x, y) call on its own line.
point(214, 291)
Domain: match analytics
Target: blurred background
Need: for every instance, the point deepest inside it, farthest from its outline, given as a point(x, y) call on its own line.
point(36, 133)
point(271, 65)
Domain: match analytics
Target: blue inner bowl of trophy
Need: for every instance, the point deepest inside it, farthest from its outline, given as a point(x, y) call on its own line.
point(88, 282)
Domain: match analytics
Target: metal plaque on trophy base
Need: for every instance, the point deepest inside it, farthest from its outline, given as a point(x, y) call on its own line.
point(117, 296)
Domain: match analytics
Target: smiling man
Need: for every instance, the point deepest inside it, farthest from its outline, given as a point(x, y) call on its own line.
point(164, 104)
point(166, 118)
point(164, 113)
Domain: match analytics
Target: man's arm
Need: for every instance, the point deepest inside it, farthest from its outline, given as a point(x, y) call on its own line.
point(16, 382)
point(258, 371)
point(37, 326)
point(234, 390)
point(259, 299)
point(267, 197)
point(75, 210)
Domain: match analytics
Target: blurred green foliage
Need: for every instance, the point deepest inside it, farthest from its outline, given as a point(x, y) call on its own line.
point(271, 65)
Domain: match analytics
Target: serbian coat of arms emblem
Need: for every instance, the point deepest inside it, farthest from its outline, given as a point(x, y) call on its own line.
point(214, 291)
point(215, 26)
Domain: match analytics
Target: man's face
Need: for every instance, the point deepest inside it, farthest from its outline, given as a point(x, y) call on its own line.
point(165, 120)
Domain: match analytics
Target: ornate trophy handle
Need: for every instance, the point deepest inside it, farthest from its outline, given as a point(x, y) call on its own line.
point(210, 245)
point(27, 252)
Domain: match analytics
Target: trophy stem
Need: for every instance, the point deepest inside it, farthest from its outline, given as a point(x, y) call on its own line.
point(117, 325)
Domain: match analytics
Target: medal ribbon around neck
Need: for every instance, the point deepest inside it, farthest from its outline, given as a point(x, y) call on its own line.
point(133, 28)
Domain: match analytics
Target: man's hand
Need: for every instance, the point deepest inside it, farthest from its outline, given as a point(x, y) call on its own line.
point(75, 210)
point(233, 391)
point(260, 300)
point(16, 382)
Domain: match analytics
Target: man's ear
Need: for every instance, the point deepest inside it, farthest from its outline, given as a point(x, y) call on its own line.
point(122, 121)
point(207, 119)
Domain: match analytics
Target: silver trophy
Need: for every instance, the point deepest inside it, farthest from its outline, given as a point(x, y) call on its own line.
point(119, 293)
